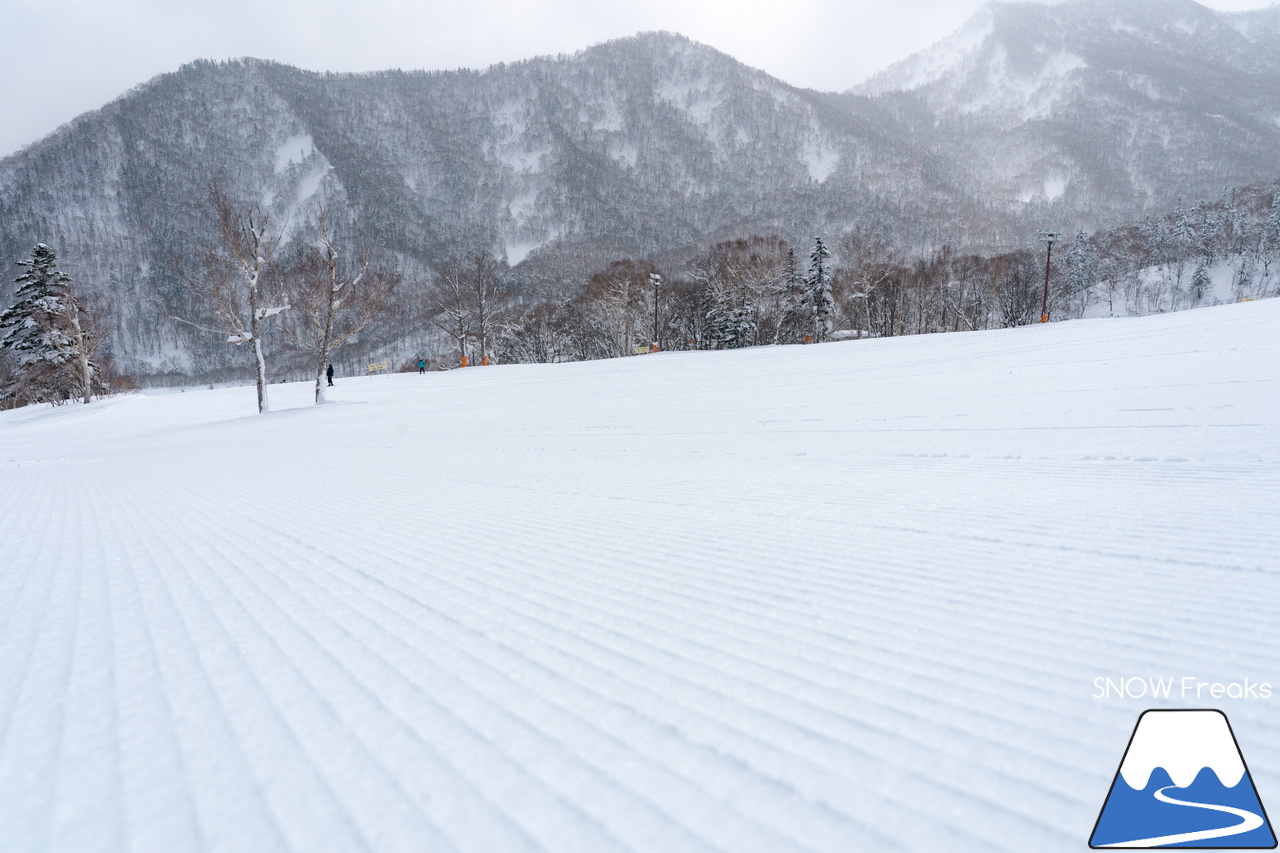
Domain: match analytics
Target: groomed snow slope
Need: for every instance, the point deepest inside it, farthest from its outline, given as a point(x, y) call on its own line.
point(849, 597)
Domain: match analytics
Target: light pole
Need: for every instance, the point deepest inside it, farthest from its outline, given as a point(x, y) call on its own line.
point(1049, 237)
point(656, 281)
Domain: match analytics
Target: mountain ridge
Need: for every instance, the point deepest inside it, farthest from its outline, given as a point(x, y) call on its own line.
point(1078, 115)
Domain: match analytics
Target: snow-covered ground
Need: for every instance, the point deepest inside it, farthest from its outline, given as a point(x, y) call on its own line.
point(850, 597)
point(1155, 290)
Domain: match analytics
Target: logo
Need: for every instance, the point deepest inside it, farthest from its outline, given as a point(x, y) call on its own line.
point(1183, 783)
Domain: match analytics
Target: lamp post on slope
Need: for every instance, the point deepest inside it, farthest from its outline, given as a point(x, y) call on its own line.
point(656, 281)
point(1049, 237)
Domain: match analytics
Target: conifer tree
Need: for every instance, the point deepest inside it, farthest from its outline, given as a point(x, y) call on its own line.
point(790, 293)
point(1269, 253)
point(1273, 220)
point(1184, 230)
point(1082, 269)
point(818, 290)
point(1200, 281)
point(48, 333)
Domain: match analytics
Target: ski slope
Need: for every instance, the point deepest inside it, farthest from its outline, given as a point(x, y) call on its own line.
point(848, 597)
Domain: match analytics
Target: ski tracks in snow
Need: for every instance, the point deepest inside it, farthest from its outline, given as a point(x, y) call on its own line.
point(730, 607)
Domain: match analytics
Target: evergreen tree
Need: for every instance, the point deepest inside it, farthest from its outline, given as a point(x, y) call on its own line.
point(1232, 226)
point(1200, 281)
point(1154, 240)
point(791, 268)
point(1213, 230)
point(790, 292)
point(731, 326)
point(1269, 252)
point(48, 333)
point(1184, 231)
point(817, 295)
point(1082, 268)
point(1273, 221)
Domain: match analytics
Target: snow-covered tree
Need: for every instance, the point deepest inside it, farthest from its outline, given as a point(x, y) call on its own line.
point(731, 326)
point(1016, 278)
point(1082, 269)
point(49, 335)
point(448, 306)
point(1213, 230)
point(538, 334)
point(615, 309)
point(470, 301)
point(334, 296)
point(1200, 282)
point(743, 283)
point(232, 281)
point(817, 296)
point(490, 299)
point(1184, 229)
point(1183, 239)
point(790, 294)
point(1269, 250)
point(1273, 221)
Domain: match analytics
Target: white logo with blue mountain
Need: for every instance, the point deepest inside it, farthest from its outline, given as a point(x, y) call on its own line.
point(1183, 783)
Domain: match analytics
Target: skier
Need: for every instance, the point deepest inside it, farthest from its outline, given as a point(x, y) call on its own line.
point(422, 365)
point(329, 373)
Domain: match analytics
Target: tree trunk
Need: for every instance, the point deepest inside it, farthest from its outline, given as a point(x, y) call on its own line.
point(255, 332)
point(323, 362)
point(82, 355)
point(263, 407)
point(326, 341)
point(320, 398)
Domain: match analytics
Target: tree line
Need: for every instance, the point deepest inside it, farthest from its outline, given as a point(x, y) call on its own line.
point(320, 291)
point(318, 284)
point(752, 291)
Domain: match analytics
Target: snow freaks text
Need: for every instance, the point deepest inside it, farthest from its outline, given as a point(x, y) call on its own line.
point(1173, 687)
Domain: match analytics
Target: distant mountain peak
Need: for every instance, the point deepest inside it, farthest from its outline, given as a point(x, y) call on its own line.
point(1031, 34)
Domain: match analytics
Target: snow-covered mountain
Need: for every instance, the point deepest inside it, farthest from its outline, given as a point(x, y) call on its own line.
point(1081, 114)
point(633, 147)
point(1105, 107)
point(643, 143)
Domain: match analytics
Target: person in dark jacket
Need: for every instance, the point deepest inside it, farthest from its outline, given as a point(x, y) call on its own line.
point(329, 374)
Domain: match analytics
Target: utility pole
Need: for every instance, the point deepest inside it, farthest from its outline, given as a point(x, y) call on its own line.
point(656, 281)
point(1049, 237)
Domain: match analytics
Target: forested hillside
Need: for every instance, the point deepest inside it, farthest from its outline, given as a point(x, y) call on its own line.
point(647, 153)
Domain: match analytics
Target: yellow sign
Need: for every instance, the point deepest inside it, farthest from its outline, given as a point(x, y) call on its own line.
point(381, 365)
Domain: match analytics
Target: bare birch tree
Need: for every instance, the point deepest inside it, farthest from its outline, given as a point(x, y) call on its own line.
point(470, 301)
point(231, 282)
point(448, 305)
point(335, 294)
point(489, 299)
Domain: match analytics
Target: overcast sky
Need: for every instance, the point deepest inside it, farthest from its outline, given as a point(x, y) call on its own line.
point(60, 58)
